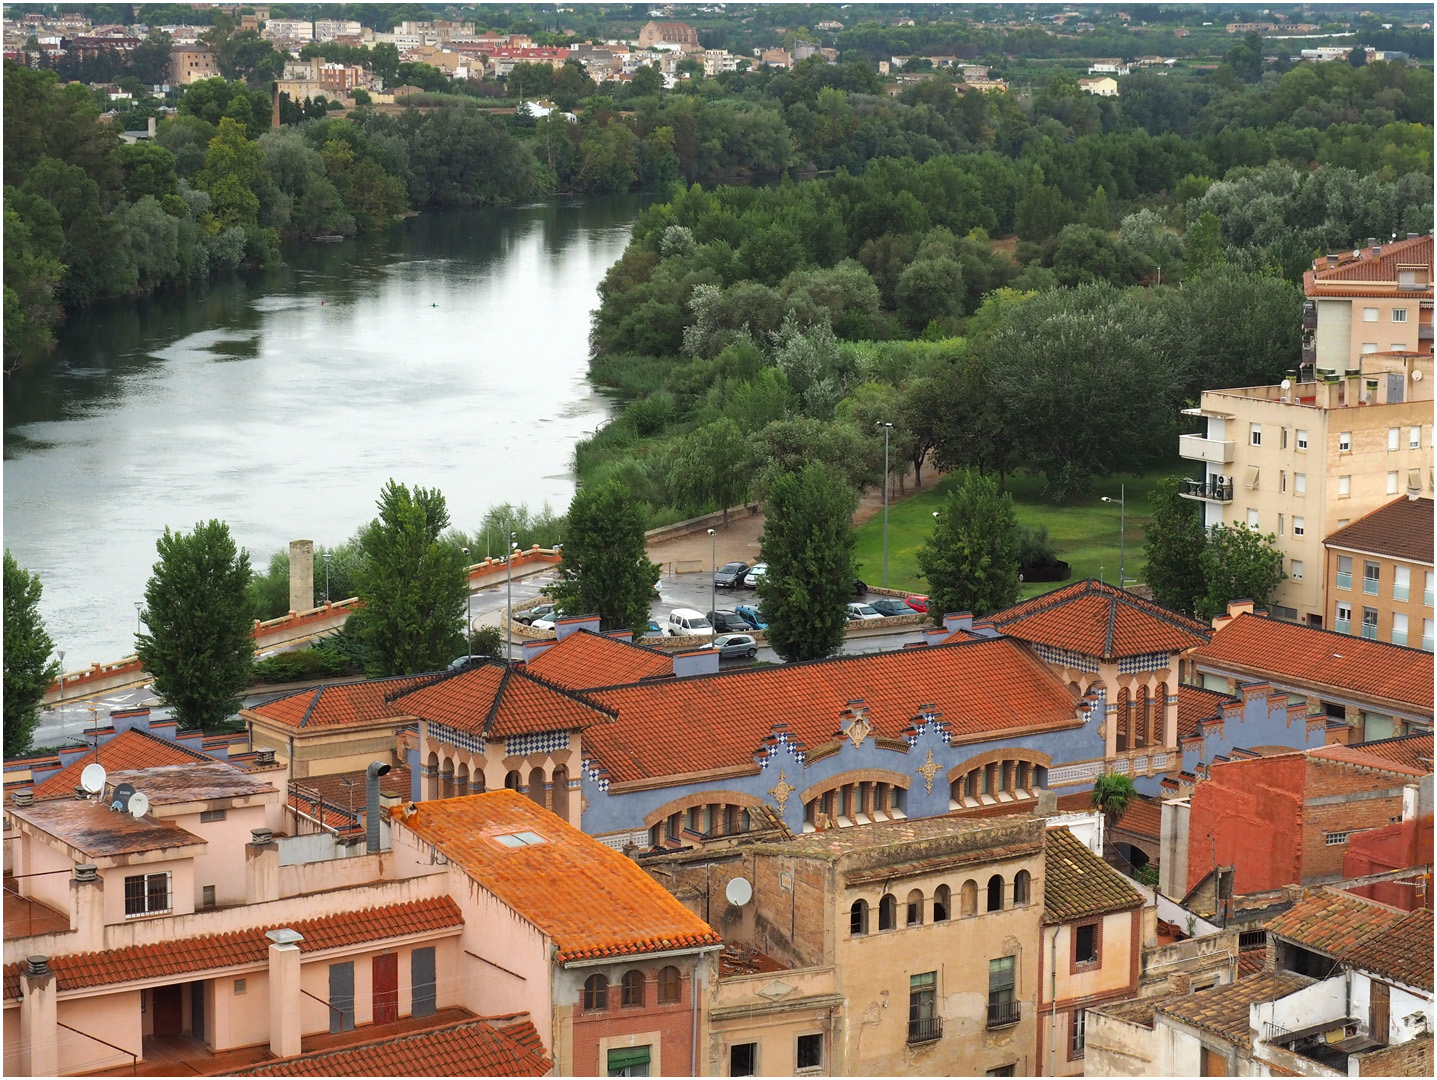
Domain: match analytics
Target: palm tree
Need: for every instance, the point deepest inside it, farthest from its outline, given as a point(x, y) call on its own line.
point(1113, 793)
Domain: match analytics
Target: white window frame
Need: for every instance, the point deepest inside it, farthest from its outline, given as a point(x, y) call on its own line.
point(147, 910)
point(1369, 314)
point(1414, 437)
point(1302, 438)
point(1392, 482)
point(1344, 485)
point(1254, 434)
point(1394, 438)
point(1252, 519)
point(1299, 526)
point(1333, 839)
point(1399, 314)
point(1296, 569)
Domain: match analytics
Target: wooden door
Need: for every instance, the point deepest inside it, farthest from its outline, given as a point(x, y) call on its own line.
point(385, 972)
point(1379, 1003)
point(169, 1010)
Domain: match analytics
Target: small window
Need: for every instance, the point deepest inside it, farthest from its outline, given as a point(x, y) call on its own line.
point(1254, 434)
point(1333, 839)
point(1344, 485)
point(1022, 887)
point(995, 893)
point(1344, 442)
point(1414, 437)
point(207, 896)
point(1392, 482)
point(522, 839)
point(1299, 483)
point(1284, 440)
point(915, 908)
point(1302, 438)
point(1369, 314)
point(1282, 477)
point(1281, 524)
point(1299, 526)
point(1080, 1031)
point(1002, 1008)
point(743, 1059)
point(858, 918)
point(629, 1061)
point(1252, 517)
point(887, 912)
point(942, 903)
point(1399, 314)
point(147, 894)
point(1394, 438)
point(1085, 944)
point(1296, 570)
point(1399, 346)
point(241, 987)
point(212, 815)
point(596, 993)
point(631, 990)
point(810, 1052)
point(671, 986)
point(1369, 346)
point(1002, 1070)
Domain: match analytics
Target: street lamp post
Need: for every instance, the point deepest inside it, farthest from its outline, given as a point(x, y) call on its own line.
point(509, 598)
point(468, 606)
point(62, 674)
point(713, 578)
point(887, 430)
point(326, 577)
point(139, 611)
point(1121, 500)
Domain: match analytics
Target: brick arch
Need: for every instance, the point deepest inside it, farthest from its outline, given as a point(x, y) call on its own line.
point(856, 776)
point(703, 798)
point(997, 776)
point(1009, 753)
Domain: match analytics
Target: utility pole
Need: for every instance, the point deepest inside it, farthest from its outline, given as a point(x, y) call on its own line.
point(887, 429)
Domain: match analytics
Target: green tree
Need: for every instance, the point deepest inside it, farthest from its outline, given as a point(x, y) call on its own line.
point(1112, 794)
point(1238, 563)
point(1204, 243)
point(232, 166)
point(412, 585)
point(971, 560)
point(1173, 543)
point(808, 544)
point(199, 645)
point(707, 467)
point(28, 667)
point(606, 569)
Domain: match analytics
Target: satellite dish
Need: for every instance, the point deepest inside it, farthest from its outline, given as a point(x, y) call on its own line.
point(92, 779)
point(120, 797)
point(1287, 384)
point(1417, 376)
point(739, 892)
point(139, 804)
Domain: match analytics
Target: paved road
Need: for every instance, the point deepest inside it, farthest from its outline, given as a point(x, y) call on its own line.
point(68, 722)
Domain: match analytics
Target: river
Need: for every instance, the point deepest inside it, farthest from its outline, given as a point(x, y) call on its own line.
point(449, 351)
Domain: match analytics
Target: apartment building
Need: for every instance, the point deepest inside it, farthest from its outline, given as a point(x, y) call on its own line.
point(1377, 299)
point(1306, 458)
point(190, 63)
point(1379, 574)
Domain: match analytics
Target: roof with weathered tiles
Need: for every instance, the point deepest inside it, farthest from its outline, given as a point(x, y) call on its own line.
point(589, 899)
point(1225, 1010)
point(584, 660)
point(1362, 933)
point(474, 1047)
point(1100, 620)
point(983, 686)
point(340, 706)
point(99, 832)
point(1350, 755)
point(1143, 817)
point(1414, 750)
point(1368, 268)
point(1196, 704)
point(185, 956)
point(496, 700)
point(1078, 883)
point(1272, 648)
point(1400, 530)
point(128, 750)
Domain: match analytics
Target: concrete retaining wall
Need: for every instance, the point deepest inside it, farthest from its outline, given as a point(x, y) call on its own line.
point(683, 528)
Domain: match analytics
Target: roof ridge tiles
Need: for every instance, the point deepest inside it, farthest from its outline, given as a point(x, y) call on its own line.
point(1362, 642)
point(577, 695)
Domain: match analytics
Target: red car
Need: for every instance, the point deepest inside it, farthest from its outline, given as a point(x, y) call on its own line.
point(917, 603)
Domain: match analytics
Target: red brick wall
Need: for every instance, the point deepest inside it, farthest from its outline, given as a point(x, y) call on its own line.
point(1361, 808)
point(1412, 1058)
point(675, 1022)
point(1408, 843)
point(1252, 811)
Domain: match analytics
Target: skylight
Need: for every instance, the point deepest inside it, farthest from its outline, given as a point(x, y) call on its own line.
point(521, 839)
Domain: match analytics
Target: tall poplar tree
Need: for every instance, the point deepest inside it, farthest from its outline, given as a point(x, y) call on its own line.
point(606, 569)
point(28, 667)
point(972, 559)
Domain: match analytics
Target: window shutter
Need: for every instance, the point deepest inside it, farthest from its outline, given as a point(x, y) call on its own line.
point(628, 1057)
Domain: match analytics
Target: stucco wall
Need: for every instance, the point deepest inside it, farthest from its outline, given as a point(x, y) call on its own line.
point(1118, 1048)
point(113, 1017)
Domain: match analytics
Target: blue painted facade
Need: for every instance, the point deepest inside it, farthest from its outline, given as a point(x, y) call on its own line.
point(1260, 718)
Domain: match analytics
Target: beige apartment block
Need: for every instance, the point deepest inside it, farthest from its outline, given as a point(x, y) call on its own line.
point(1376, 299)
point(191, 63)
point(1306, 458)
point(1379, 575)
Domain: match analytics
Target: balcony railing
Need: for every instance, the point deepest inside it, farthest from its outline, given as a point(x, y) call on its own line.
point(1369, 631)
point(1370, 586)
point(1344, 579)
point(1309, 317)
point(1198, 448)
point(1208, 490)
point(1426, 597)
point(1426, 643)
point(1399, 637)
point(1002, 1013)
point(1309, 354)
point(925, 1029)
point(1424, 332)
point(1400, 592)
point(1342, 626)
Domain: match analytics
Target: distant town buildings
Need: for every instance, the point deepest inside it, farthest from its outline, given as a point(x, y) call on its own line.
point(190, 63)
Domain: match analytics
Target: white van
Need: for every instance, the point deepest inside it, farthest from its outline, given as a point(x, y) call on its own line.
point(686, 622)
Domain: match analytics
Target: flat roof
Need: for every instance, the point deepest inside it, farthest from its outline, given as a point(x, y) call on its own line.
point(165, 785)
point(99, 832)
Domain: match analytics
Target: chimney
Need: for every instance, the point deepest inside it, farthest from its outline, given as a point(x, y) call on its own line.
point(935, 634)
point(87, 872)
point(696, 662)
point(371, 805)
point(39, 1042)
point(23, 798)
point(564, 627)
point(284, 992)
point(261, 870)
point(125, 719)
point(264, 757)
point(621, 635)
point(1332, 260)
point(963, 620)
point(1354, 386)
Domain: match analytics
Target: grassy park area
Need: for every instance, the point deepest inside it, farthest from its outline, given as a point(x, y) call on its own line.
point(1084, 531)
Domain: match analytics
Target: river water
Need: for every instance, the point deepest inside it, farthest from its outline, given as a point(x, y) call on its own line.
point(449, 351)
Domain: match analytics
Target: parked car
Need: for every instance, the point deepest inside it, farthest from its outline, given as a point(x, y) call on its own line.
point(735, 645)
point(730, 575)
point(917, 603)
point(463, 663)
point(860, 587)
point(727, 622)
point(753, 615)
point(528, 617)
point(750, 580)
point(654, 629)
point(862, 612)
point(891, 606)
point(548, 620)
point(686, 622)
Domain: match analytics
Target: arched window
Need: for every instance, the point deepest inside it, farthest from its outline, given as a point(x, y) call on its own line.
point(513, 781)
point(915, 908)
point(995, 893)
point(560, 792)
point(969, 898)
point(1022, 886)
point(671, 986)
point(942, 903)
point(858, 918)
point(596, 993)
point(536, 786)
point(888, 912)
point(632, 989)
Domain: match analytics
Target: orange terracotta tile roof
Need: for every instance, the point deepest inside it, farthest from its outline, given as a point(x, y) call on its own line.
point(589, 899)
point(1400, 530)
point(184, 956)
point(978, 687)
point(333, 787)
point(1078, 883)
point(1362, 933)
point(1196, 704)
point(339, 706)
point(496, 700)
point(1143, 816)
point(584, 660)
point(1271, 648)
point(1250, 962)
point(1415, 750)
point(1381, 268)
point(1225, 1010)
point(474, 1047)
point(1100, 620)
point(128, 750)
point(1351, 755)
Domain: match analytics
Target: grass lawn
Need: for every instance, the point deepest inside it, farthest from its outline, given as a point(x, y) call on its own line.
point(1085, 531)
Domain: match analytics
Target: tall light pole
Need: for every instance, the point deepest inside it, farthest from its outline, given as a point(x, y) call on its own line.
point(139, 614)
point(713, 578)
point(509, 601)
point(887, 429)
point(1121, 500)
point(468, 606)
point(62, 674)
point(326, 577)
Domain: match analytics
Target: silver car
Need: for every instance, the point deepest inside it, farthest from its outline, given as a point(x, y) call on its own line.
point(756, 571)
point(735, 645)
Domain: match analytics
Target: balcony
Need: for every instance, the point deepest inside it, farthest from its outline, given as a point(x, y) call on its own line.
point(1370, 586)
point(1426, 597)
point(1399, 637)
point(1002, 1014)
point(1427, 643)
point(1424, 332)
point(1401, 592)
point(1344, 579)
point(1342, 626)
point(1309, 355)
point(1309, 316)
point(1198, 448)
point(1207, 490)
point(926, 1029)
point(1369, 630)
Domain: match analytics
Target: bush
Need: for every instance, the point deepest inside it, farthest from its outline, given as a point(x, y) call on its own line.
point(303, 665)
point(1034, 548)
